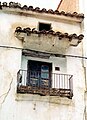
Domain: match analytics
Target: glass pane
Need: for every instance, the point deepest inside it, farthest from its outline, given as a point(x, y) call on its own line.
point(45, 72)
point(45, 75)
point(34, 74)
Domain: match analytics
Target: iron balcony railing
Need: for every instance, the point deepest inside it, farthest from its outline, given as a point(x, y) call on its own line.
point(53, 84)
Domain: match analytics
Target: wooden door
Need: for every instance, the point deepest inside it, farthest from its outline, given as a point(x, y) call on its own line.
point(39, 74)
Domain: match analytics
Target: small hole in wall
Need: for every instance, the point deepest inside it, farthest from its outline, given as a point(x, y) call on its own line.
point(57, 68)
point(34, 107)
point(44, 26)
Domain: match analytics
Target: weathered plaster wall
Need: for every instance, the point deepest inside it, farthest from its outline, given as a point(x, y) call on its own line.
point(83, 8)
point(10, 60)
point(9, 25)
point(31, 107)
point(12, 21)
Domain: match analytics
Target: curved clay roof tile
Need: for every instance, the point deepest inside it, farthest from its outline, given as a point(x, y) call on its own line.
point(59, 34)
point(4, 4)
point(74, 35)
point(43, 10)
point(30, 8)
point(80, 37)
point(37, 9)
point(25, 7)
point(62, 12)
point(18, 29)
point(50, 11)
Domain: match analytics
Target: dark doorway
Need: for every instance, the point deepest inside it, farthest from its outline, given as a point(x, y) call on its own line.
point(39, 74)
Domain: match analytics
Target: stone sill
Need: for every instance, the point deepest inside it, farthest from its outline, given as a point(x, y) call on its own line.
point(50, 99)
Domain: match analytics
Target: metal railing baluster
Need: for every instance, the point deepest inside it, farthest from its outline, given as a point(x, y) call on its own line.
point(58, 81)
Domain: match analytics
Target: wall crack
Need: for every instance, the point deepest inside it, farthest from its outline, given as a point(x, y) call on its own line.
point(6, 94)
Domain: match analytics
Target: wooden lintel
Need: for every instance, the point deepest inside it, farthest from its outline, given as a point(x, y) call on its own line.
point(40, 54)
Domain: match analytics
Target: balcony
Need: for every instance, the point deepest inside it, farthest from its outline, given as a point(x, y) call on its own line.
point(31, 82)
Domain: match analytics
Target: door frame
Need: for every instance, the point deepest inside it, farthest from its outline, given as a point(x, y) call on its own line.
point(39, 63)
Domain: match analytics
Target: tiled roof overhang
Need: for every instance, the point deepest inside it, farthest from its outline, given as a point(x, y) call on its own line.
point(61, 35)
point(37, 9)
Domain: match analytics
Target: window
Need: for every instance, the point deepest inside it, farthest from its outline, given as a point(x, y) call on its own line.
point(45, 71)
point(44, 26)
